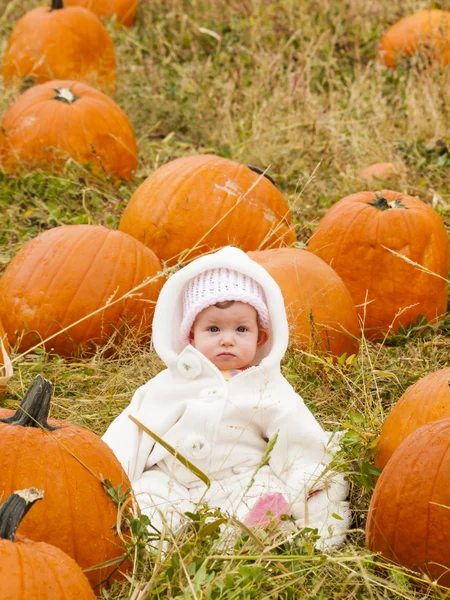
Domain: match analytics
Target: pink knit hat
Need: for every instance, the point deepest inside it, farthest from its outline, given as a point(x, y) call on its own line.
point(220, 285)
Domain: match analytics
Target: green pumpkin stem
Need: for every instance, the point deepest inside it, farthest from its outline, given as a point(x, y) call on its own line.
point(35, 406)
point(381, 203)
point(56, 5)
point(13, 510)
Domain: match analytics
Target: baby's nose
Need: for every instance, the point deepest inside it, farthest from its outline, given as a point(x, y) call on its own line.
point(228, 338)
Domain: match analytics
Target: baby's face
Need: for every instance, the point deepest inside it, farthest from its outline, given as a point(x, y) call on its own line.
point(228, 337)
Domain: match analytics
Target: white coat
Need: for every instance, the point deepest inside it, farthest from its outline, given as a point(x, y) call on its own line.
point(223, 426)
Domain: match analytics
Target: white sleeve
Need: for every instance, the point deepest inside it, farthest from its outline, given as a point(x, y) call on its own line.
point(124, 437)
point(301, 444)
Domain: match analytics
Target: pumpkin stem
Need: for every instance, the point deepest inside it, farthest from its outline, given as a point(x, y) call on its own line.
point(65, 95)
point(35, 406)
point(261, 172)
point(56, 5)
point(382, 203)
point(13, 510)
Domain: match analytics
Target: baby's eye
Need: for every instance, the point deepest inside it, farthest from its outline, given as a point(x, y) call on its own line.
point(213, 329)
point(241, 329)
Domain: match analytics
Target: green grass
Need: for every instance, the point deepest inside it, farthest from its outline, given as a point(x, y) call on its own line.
point(292, 86)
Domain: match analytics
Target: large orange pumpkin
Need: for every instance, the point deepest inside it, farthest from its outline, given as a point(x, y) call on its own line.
point(362, 236)
point(427, 31)
point(59, 120)
point(409, 516)
point(124, 10)
point(69, 272)
point(196, 203)
point(69, 463)
point(35, 569)
point(60, 43)
point(320, 310)
point(425, 401)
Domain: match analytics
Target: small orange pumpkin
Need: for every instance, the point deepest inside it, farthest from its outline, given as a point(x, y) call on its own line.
point(383, 170)
point(69, 272)
point(320, 310)
point(58, 120)
point(35, 569)
point(427, 31)
point(70, 463)
point(409, 518)
point(426, 401)
point(362, 236)
point(196, 203)
point(60, 43)
point(124, 10)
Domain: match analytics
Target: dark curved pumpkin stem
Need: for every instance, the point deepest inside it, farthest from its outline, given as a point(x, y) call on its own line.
point(56, 5)
point(13, 510)
point(261, 172)
point(35, 406)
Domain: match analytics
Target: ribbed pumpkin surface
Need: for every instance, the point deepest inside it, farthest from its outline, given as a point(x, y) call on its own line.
point(61, 44)
point(40, 571)
point(409, 516)
point(427, 31)
point(58, 120)
point(197, 203)
point(357, 236)
point(68, 273)
point(76, 514)
point(426, 401)
point(320, 310)
point(124, 10)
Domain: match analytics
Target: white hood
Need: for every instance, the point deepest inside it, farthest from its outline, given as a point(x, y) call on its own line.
point(169, 308)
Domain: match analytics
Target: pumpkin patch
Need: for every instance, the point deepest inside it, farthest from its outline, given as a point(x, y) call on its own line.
point(60, 43)
point(240, 123)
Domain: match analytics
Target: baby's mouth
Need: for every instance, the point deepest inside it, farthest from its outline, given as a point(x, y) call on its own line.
point(226, 355)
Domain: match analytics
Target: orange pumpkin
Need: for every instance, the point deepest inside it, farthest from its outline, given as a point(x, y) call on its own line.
point(320, 310)
point(383, 170)
point(427, 31)
point(35, 569)
point(362, 236)
point(196, 203)
point(426, 401)
point(409, 517)
point(124, 10)
point(70, 272)
point(59, 120)
point(60, 43)
point(69, 463)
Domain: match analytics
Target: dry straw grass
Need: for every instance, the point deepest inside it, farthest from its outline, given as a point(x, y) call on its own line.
point(290, 86)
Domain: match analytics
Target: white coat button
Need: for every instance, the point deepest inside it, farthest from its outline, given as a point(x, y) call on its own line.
point(189, 366)
point(196, 447)
point(212, 393)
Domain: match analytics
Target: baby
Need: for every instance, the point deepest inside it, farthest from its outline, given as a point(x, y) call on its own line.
point(220, 327)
